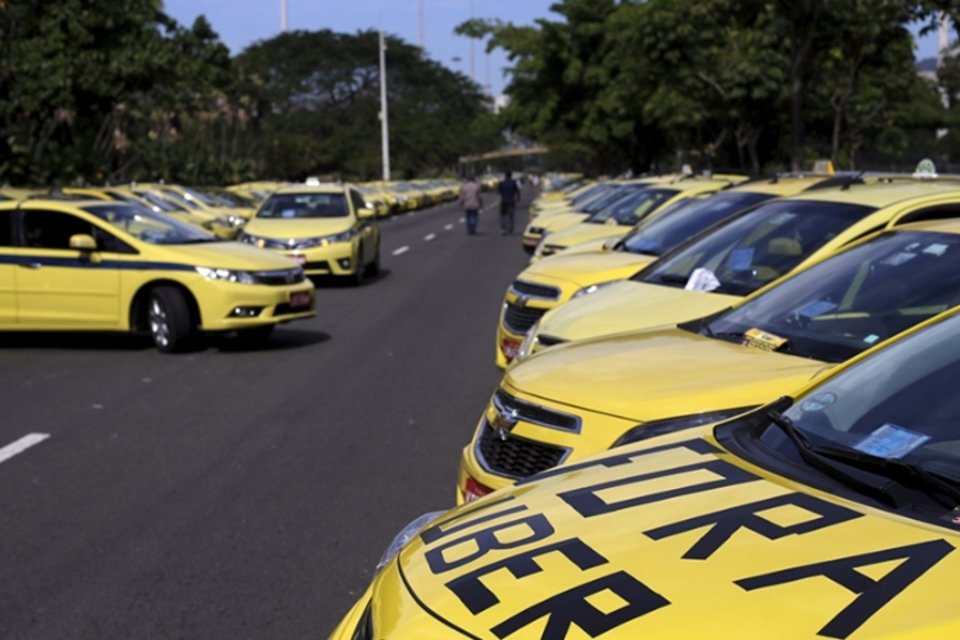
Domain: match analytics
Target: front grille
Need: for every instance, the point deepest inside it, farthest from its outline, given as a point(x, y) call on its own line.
point(536, 290)
point(515, 457)
point(319, 265)
point(532, 413)
point(284, 309)
point(281, 277)
point(549, 341)
point(519, 319)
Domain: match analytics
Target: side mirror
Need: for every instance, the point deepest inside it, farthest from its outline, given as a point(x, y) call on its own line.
point(83, 242)
point(365, 213)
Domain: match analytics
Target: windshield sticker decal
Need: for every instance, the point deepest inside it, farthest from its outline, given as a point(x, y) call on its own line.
point(762, 340)
point(873, 595)
point(815, 308)
point(898, 259)
point(702, 280)
point(891, 441)
point(741, 259)
point(819, 402)
point(936, 249)
point(872, 338)
point(723, 524)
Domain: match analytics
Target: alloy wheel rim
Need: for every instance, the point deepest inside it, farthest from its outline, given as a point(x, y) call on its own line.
point(159, 327)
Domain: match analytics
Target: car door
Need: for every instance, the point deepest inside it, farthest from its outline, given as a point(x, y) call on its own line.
point(59, 287)
point(367, 226)
point(8, 269)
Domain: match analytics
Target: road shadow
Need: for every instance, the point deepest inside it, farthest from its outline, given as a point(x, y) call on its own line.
point(334, 282)
point(280, 340)
point(75, 341)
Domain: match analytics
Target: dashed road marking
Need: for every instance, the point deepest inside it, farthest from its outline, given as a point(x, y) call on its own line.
point(429, 237)
point(400, 251)
point(448, 227)
point(462, 220)
point(22, 445)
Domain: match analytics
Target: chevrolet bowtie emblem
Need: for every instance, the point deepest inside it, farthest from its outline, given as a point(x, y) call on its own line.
point(504, 422)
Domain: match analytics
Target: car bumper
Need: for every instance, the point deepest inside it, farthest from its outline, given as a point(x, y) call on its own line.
point(228, 307)
point(338, 259)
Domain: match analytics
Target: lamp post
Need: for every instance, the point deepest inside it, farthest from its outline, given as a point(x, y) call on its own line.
point(384, 119)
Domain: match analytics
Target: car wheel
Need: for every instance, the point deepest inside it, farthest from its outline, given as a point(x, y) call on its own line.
point(255, 335)
point(168, 316)
point(373, 269)
point(357, 278)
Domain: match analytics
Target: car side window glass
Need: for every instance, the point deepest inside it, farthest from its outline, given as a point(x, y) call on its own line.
point(53, 230)
point(358, 201)
point(6, 229)
point(930, 213)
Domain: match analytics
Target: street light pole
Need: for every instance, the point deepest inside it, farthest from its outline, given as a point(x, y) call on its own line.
point(384, 118)
point(283, 16)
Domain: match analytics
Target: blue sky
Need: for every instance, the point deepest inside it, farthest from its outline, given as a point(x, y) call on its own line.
point(243, 22)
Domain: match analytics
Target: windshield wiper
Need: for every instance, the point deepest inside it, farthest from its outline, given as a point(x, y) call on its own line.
point(816, 459)
point(193, 241)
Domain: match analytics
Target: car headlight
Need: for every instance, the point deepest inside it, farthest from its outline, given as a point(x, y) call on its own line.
point(660, 427)
point(236, 221)
point(405, 536)
point(227, 275)
point(593, 288)
point(323, 241)
point(529, 341)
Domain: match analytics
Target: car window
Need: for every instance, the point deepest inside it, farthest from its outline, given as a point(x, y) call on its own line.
point(358, 201)
point(305, 205)
point(145, 225)
point(52, 229)
point(6, 229)
point(634, 207)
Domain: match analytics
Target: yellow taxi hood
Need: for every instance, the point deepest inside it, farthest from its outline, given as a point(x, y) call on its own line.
point(560, 221)
point(229, 255)
point(297, 228)
point(585, 232)
point(630, 306)
point(600, 244)
point(659, 374)
point(678, 539)
point(587, 268)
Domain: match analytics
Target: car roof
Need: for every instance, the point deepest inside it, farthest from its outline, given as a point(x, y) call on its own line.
point(942, 225)
point(329, 187)
point(781, 185)
point(879, 194)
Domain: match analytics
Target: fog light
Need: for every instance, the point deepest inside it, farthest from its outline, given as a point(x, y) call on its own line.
point(245, 312)
point(344, 263)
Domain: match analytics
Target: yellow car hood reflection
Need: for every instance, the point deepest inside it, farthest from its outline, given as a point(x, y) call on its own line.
point(675, 538)
point(630, 306)
point(230, 255)
point(587, 268)
point(634, 375)
point(297, 227)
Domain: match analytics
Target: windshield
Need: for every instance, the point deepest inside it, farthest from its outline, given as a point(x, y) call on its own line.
point(612, 196)
point(147, 226)
point(898, 408)
point(755, 248)
point(305, 205)
point(595, 191)
point(847, 304)
point(686, 219)
point(160, 202)
point(632, 208)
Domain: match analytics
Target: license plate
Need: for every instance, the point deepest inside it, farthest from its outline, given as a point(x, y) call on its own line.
point(300, 299)
point(510, 349)
point(474, 490)
point(299, 258)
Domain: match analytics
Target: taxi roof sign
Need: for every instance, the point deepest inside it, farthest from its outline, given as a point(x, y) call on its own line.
point(824, 167)
point(926, 170)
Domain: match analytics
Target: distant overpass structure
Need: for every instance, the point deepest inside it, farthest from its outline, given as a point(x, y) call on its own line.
point(513, 152)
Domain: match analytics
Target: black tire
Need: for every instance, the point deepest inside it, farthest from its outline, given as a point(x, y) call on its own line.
point(255, 336)
point(357, 278)
point(169, 319)
point(373, 269)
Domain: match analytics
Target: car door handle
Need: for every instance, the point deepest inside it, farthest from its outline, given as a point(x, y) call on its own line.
point(31, 265)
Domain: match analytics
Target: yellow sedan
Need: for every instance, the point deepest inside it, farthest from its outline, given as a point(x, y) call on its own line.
point(719, 267)
point(326, 228)
point(828, 514)
point(578, 399)
point(92, 265)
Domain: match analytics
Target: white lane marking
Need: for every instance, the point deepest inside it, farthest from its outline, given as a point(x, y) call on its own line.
point(462, 220)
point(448, 227)
point(429, 237)
point(400, 251)
point(22, 445)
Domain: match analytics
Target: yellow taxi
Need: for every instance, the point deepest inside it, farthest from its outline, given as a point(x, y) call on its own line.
point(830, 513)
point(162, 202)
point(586, 268)
point(574, 400)
point(327, 228)
point(561, 197)
point(99, 265)
point(617, 218)
point(197, 201)
point(725, 263)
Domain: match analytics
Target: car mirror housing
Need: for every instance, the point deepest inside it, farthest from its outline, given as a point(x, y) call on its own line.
point(83, 242)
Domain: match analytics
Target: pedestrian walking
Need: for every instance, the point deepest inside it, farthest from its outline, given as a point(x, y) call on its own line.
point(509, 194)
point(471, 203)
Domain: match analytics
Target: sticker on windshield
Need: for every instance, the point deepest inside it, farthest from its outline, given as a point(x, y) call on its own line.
point(898, 259)
point(936, 249)
point(819, 402)
point(891, 441)
point(702, 280)
point(870, 339)
point(741, 259)
point(815, 308)
point(762, 340)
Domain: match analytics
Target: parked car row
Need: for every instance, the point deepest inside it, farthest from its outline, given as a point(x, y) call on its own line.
point(731, 419)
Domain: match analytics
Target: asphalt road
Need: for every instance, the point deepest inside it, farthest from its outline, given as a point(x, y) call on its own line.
point(231, 493)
